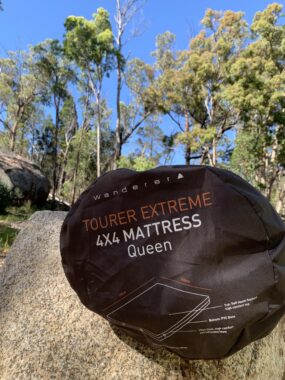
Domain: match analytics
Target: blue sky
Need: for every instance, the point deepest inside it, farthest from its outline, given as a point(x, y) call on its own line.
point(32, 21)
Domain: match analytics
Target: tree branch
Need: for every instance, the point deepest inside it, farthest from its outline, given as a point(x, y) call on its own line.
point(175, 121)
point(6, 125)
point(131, 131)
point(125, 138)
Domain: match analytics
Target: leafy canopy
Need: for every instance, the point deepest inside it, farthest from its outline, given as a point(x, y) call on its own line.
point(90, 42)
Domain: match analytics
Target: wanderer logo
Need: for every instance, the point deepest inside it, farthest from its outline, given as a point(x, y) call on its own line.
point(137, 187)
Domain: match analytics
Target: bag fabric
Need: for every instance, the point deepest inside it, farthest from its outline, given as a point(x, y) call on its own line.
point(190, 258)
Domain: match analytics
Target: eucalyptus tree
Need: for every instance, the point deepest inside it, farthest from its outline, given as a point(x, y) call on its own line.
point(90, 44)
point(43, 146)
point(126, 10)
point(81, 158)
point(54, 73)
point(257, 92)
point(150, 140)
point(18, 93)
point(212, 53)
point(35, 124)
point(189, 85)
point(70, 125)
point(81, 147)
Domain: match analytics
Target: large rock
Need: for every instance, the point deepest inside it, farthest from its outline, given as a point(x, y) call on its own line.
point(23, 178)
point(47, 334)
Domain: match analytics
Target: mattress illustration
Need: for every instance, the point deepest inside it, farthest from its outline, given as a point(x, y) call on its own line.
point(159, 308)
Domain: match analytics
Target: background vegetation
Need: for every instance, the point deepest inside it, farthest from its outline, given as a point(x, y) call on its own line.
point(224, 95)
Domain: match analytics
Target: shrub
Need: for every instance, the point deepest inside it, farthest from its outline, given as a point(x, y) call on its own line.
point(5, 198)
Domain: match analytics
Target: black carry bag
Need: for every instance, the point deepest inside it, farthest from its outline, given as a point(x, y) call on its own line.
point(190, 258)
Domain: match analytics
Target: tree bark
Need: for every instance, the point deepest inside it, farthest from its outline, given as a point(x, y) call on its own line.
point(22, 139)
point(98, 130)
point(77, 166)
point(126, 137)
point(124, 13)
point(13, 133)
point(62, 171)
point(118, 133)
point(214, 152)
point(96, 90)
point(55, 156)
point(187, 148)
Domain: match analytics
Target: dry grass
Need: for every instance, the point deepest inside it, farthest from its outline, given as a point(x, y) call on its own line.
point(7, 236)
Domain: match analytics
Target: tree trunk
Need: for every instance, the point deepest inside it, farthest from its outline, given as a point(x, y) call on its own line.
point(14, 129)
point(187, 148)
point(62, 171)
point(119, 134)
point(280, 201)
point(98, 130)
point(13, 138)
point(77, 166)
point(13, 135)
point(97, 94)
point(33, 143)
point(55, 155)
point(214, 154)
point(22, 140)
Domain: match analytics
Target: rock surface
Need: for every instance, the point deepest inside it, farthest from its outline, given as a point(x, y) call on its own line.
point(23, 178)
point(47, 334)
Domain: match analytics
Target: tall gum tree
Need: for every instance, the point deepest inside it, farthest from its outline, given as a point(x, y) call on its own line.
point(190, 84)
point(257, 92)
point(54, 73)
point(90, 44)
point(18, 93)
point(126, 10)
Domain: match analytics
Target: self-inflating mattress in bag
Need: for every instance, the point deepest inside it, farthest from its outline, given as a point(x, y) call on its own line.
point(190, 258)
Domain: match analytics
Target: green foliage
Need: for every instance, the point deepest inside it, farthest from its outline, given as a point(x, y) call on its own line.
point(265, 23)
point(5, 198)
point(80, 168)
point(165, 53)
point(52, 70)
point(18, 94)
point(4, 140)
point(230, 78)
point(90, 42)
point(139, 163)
point(139, 76)
point(15, 213)
point(190, 85)
point(7, 236)
point(197, 137)
point(150, 140)
point(83, 141)
point(245, 157)
point(257, 94)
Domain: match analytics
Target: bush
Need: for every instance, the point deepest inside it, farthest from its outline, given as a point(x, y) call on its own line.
point(5, 198)
point(138, 163)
